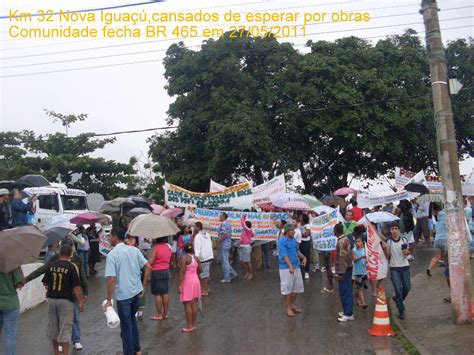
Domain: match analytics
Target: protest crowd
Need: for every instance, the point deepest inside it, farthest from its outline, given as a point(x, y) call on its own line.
point(358, 240)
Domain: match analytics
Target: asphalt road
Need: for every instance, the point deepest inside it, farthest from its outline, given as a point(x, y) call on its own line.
point(243, 317)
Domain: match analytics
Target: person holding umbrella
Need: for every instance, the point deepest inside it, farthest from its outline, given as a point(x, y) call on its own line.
point(20, 209)
point(94, 256)
point(10, 308)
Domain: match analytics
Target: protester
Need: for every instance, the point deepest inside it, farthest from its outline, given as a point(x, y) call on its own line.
point(407, 225)
point(291, 280)
point(20, 210)
point(344, 273)
point(122, 271)
point(224, 244)
point(83, 249)
point(325, 260)
point(349, 224)
point(189, 286)
point(63, 288)
point(440, 242)
point(421, 227)
point(4, 215)
point(305, 245)
point(245, 247)
point(203, 251)
point(76, 260)
point(10, 308)
point(94, 256)
point(396, 250)
point(160, 260)
point(360, 271)
point(279, 225)
point(357, 213)
point(184, 238)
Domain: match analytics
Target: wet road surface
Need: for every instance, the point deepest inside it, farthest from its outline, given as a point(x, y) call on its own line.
point(243, 317)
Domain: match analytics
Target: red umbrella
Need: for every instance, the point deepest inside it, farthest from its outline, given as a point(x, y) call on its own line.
point(157, 209)
point(343, 191)
point(89, 217)
point(172, 212)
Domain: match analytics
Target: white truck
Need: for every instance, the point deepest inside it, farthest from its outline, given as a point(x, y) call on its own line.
point(56, 200)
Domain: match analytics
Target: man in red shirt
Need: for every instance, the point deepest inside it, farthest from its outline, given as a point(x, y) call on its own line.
point(357, 213)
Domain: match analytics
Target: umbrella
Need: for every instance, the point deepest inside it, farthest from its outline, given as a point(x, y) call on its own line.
point(157, 209)
point(266, 206)
point(89, 217)
point(62, 220)
point(312, 201)
point(119, 201)
point(19, 246)
point(416, 187)
point(377, 217)
point(334, 200)
point(55, 234)
point(344, 191)
point(33, 181)
point(107, 207)
point(171, 213)
point(137, 211)
point(152, 226)
point(290, 201)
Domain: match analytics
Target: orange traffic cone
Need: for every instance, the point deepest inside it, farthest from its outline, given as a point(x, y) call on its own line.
point(381, 325)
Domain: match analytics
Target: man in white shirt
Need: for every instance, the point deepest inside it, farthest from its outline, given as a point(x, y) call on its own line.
point(203, 251)
point(421, 227)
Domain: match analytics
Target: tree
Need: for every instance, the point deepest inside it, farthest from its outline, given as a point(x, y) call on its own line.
point(224, 109)
point(65, 159)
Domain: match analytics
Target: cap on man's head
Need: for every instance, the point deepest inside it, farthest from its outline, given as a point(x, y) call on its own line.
point(288, 227)
point(4, 192)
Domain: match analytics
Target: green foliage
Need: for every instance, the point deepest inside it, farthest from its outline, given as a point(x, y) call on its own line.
point(255, 107)
point(58, 156)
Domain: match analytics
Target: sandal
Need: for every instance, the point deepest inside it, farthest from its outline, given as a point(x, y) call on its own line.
point(290, 314)
point(297, 310)
point(327, 290)
point(157, 318)
point(187, 330)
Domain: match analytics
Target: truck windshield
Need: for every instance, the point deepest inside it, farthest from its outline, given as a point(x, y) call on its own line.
point(74, 202)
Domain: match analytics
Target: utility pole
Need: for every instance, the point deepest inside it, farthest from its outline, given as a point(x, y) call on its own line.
point(458, 246)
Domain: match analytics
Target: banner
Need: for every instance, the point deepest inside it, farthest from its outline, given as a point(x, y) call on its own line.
point(365, 200)
point(322, 231)
point(104, 244)
point(433, 183)
point(262, 222)
point(263, 192)
point(377, 263)
point(216, 187)
point(232, 197)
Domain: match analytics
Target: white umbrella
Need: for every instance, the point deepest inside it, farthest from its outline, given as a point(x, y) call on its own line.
point(378, 217)
point(152, 226)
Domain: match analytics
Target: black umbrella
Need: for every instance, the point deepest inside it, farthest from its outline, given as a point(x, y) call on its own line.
point(33, 181)
point(417, 187)
point(137, 211)
point(55, 234)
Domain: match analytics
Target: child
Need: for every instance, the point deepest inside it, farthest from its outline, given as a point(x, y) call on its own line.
point(360, 271)
point(245, 247)
point(189, 286)
point(184, 238)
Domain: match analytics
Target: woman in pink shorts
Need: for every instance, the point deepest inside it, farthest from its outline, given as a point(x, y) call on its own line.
point(189, 286)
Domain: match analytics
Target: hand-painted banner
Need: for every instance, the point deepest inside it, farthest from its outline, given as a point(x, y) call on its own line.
point(263, 192)
point(377, 263)
point(234, 196)
point(433, 183)
point(322, 231)
point(216, 187)
point(104, 244)
point(365, 200)
point(262, 223)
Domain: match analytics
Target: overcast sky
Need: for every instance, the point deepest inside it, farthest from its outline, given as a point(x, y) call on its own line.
point(129, 97)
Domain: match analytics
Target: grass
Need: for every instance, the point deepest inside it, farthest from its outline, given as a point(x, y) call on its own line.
point(407, 345)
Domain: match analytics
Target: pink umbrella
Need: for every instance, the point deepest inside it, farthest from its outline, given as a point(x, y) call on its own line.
point(266, 206)
point(172, 212)
point(157, 209)
point(343, 191)
point(88, 218)
point(290, 201)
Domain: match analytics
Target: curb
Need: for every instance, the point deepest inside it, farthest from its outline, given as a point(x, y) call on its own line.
point(406, 333)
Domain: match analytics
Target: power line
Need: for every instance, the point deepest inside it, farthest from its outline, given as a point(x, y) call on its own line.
point(159, 59)
point(358, 104)
point(274, 9)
